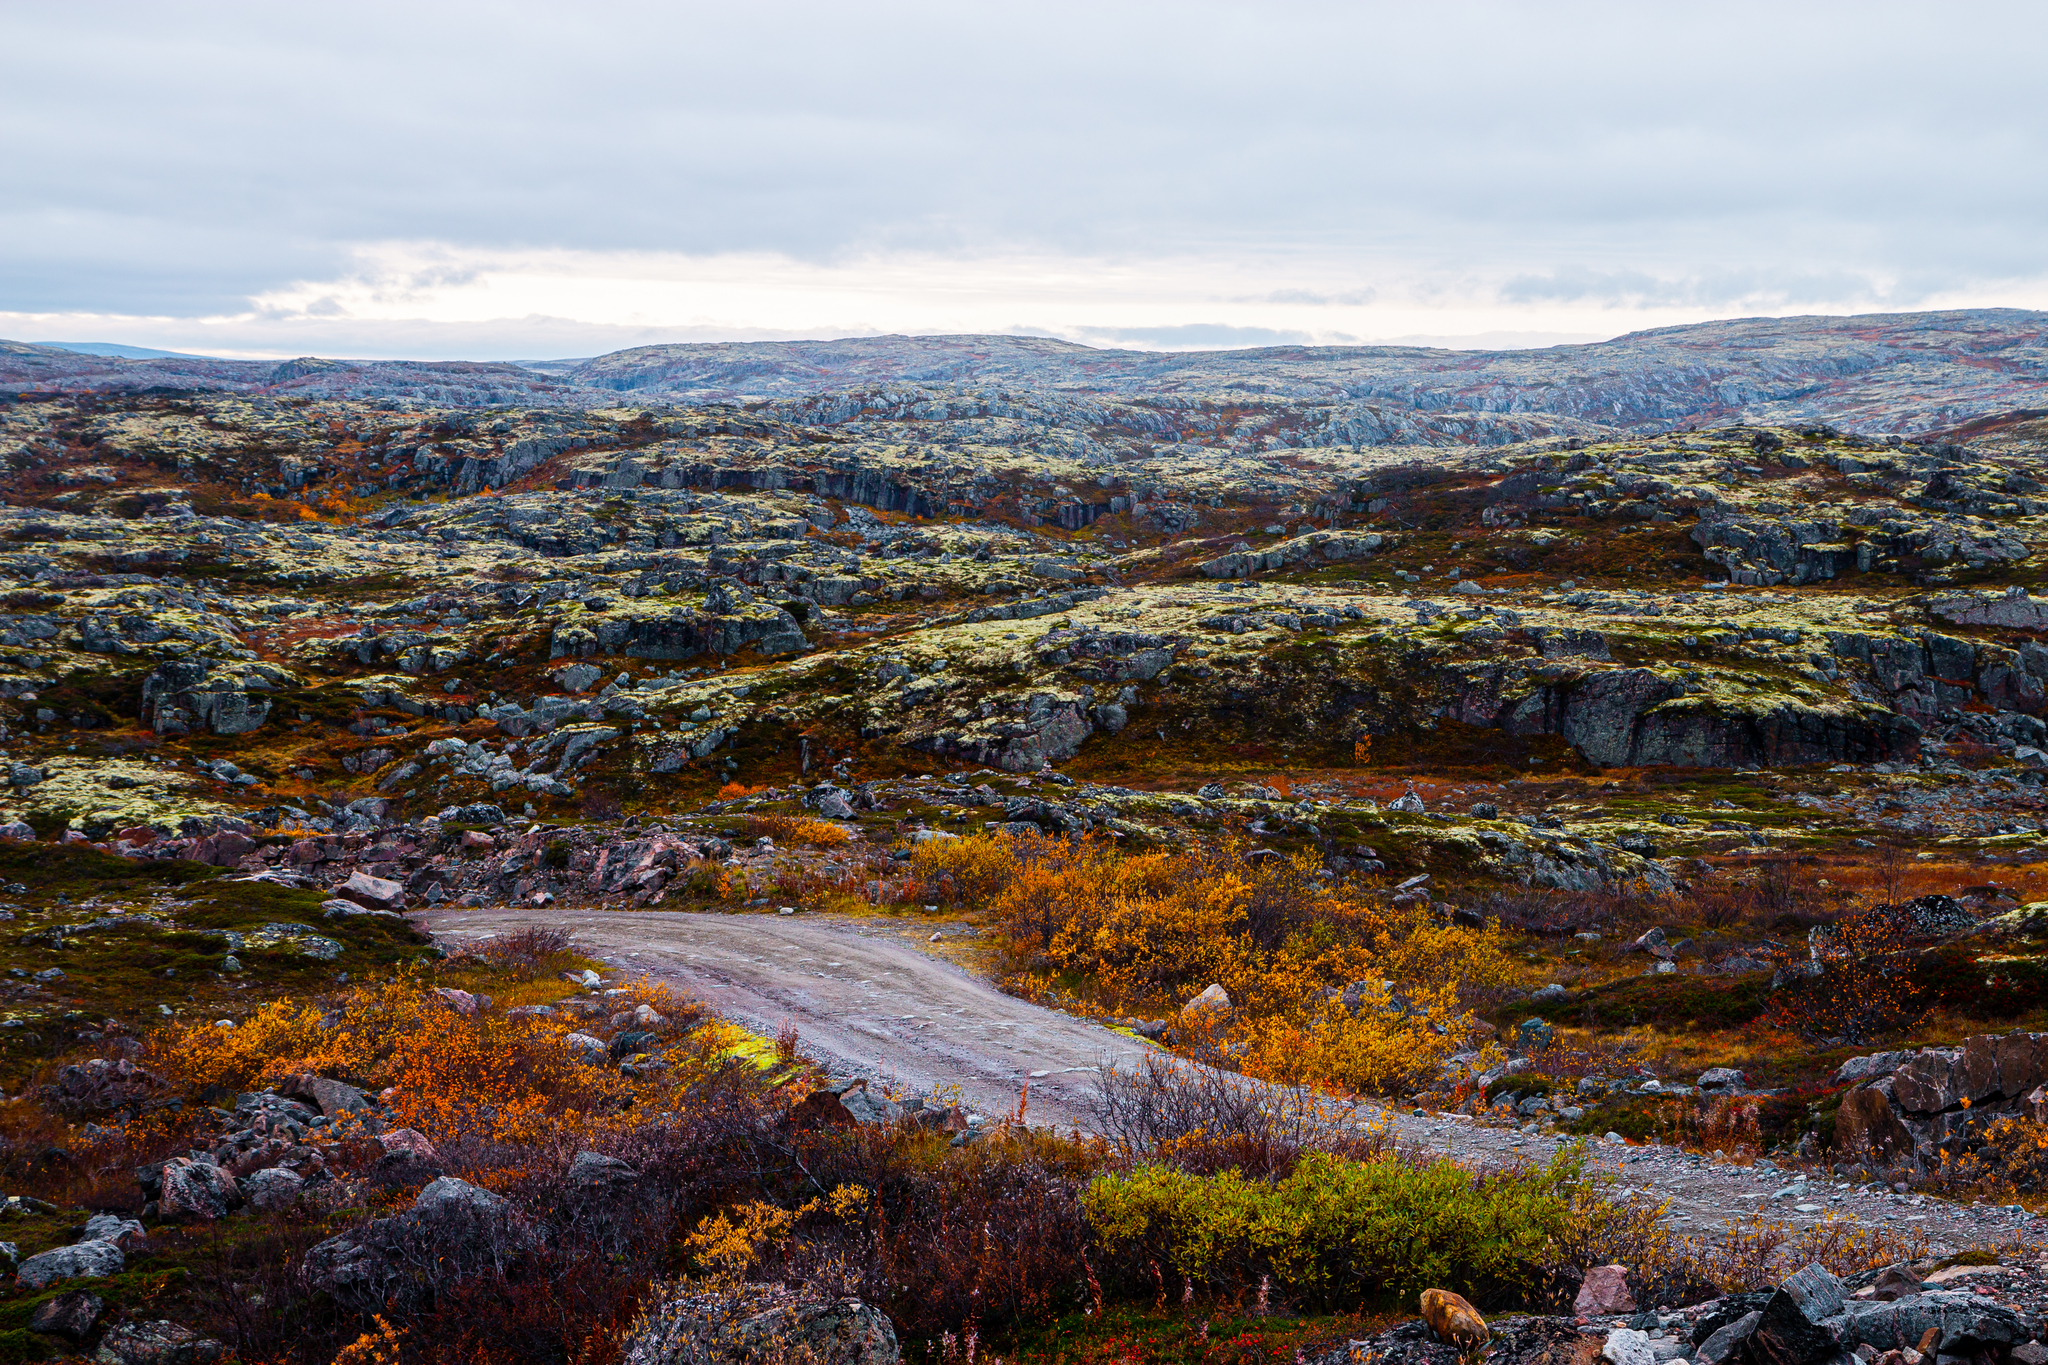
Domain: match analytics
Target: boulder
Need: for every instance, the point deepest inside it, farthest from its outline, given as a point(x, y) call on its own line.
point(757, 1325)
point(594, 1172)
point(92, 1260)
point(1964, 1323)
point(1867, 1126)
point(374, 893)
point(71, 1314)
point(183, 696)
point(1604, 1292)
point(156, 1343)
point(1211, 1004)
point(334, 1098)
point(1793, 1328)
point(271, 1188)
point(587, 1049)
point(1626, 1346)
point(407, 1142)
point(196, 1191)
point(124, 1233)
point(1727, 1341)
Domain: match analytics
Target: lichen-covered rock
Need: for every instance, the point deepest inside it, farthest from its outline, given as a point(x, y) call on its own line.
point(156, 1343)
point(197, 1191)
point(92, 1260)
point(759, 1325)
point(182, 696)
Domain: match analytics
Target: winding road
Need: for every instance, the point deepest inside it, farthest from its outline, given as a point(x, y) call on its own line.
point(868, 997)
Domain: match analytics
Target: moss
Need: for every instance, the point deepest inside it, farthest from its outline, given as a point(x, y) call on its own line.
point(1678, 1001)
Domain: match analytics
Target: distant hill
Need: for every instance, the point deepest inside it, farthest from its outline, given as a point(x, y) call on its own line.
point(1904, 373)
point(119, 350)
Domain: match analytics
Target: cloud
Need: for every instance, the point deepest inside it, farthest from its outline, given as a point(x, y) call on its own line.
point(1541, 162)
point(1192, 336)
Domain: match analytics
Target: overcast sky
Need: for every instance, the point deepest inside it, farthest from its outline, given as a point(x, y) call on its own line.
point(518, 180)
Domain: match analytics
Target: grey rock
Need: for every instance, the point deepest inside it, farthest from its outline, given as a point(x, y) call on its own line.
point(80, 1261)
point(271, 1189)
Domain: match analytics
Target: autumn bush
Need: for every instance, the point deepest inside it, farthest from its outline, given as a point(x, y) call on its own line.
point(1337, 1232)
point(797, 829)
point(1329, 984)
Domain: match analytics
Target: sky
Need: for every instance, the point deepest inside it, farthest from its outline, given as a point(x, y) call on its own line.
point(513, 180)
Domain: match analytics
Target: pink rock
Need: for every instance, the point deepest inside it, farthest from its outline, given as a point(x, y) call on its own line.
point(476, 838)
point(462, 1002)
point(1604, 1293)
point(406, 1142)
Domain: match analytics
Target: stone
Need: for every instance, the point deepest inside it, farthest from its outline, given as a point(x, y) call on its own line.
point(1534, 1035)
point(271, 1189)
point(1626, 1346)
point(80, 1261)
point(1407, 804)
point(1727, 1341)
point(334, 1098)
point(1867, 1125)
point(587, 1049)
point(1604, 1292)
point(156, 1343)
point(1212, 1003)
point(1724, 1080)
point(1792, 1329)
point(1455, 1321)
point(73, 1314)
point(1926, 1082)
point(760, 1325)
point(1961, 1323)
point(1894, 1283)
point(1869, 1068)
point(595, 1172)
point(124, 1233)
point(196, 1191)
point(450, 1198)
point(374, 893)
point(462, 1002)
point(408, 1143)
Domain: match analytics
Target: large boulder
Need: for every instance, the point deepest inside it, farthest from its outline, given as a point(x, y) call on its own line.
point(1922, 1102)
point(72, 1314)
point(93, 1260)
point(196, 1191)
point(454, 1229)
point(184, 696)
point(1794, 1328)
point(760, 1324)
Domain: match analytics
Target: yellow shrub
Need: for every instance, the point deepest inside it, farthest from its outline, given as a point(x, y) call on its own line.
point(968, 870)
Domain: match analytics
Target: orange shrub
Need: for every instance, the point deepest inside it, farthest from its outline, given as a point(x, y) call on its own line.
point(798, 829)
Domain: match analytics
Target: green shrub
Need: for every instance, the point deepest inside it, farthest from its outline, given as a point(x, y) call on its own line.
point(1339, 1232)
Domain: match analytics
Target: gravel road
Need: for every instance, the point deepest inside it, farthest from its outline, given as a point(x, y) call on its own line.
point(864, 995)
point(870, 998)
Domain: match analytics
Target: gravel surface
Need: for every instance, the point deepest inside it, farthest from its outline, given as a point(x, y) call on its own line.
point(869, 997)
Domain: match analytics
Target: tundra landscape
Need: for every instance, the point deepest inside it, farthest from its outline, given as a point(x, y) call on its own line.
point(977, 845)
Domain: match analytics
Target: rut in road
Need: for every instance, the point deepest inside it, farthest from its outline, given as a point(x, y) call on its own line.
point(867, 1000)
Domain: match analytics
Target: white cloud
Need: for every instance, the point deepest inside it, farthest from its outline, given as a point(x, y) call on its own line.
point(510, 176)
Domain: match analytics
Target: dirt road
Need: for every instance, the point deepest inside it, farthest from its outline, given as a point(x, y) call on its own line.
point(864, 997)
point(868, 998)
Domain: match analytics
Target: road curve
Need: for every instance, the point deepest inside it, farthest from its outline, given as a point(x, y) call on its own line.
point(865, 1000)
